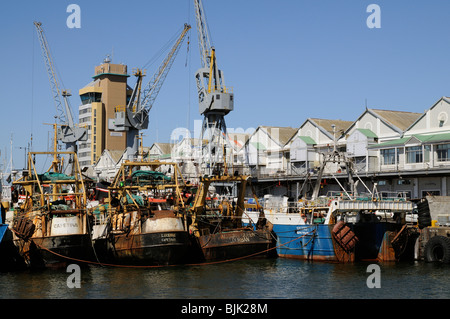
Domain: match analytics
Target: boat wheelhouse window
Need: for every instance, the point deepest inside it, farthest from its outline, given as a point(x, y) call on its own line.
point(388, 156)
point(431, 193)
point(404, 194)
point(414, 154)
point(443, 152)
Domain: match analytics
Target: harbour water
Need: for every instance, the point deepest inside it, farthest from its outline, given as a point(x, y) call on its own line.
point(245, 279)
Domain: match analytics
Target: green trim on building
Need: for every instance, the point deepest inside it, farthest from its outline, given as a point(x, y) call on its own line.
point(423, 139)
point(367, 132)
point(444, 137)
point(96, 76)
point(308, 140)
point(259, 146)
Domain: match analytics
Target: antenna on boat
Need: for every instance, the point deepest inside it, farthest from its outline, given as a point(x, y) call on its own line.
point(334, 138)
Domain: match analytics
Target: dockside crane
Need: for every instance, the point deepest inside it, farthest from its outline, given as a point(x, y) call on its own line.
point(215, 99)
point(135, 116)
point(67, 131)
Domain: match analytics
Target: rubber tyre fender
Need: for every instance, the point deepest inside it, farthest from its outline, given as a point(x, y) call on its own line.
point(424, 216)
point(437, 249)
point(423, 221)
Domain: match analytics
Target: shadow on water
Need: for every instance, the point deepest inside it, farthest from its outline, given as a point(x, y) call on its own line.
point(253, 278)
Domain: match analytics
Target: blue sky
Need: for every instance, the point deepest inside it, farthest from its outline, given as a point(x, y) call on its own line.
point(286, 60)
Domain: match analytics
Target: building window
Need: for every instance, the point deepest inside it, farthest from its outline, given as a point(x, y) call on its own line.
point(443, 152)
point(414, 154)
point(90, 97)
point(388, 156)
point(84, 111)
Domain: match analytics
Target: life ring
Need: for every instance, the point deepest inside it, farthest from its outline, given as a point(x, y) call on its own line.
point(437, 249)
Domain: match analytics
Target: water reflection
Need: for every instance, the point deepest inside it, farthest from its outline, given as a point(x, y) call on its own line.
point(258, 278)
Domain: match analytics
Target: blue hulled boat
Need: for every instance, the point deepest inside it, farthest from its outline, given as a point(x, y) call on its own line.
point(10, 259)
point(336, 228)
point(342, 226)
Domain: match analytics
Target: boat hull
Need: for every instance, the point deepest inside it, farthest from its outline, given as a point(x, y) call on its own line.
point(59, 251)
point(236, 244)
point(306, 242)
point(317, 243)
point(3, 229)
point(157, 248)
point(10, 259)
point(371, 238)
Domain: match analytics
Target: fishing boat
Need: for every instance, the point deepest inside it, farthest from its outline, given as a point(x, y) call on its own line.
point(3, 230)
point(216, 223)
point(142, 221)
point(340, 226)
point(52, 227)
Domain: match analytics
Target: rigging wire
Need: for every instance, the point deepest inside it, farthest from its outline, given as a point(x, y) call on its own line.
point(163, 49)
point(32, 87)
point(188, 64)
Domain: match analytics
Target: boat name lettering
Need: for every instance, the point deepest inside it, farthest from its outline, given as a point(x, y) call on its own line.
point(168, 238)
point(168, 235)
point(242, 238)
point(64, 225)
point(303, 231)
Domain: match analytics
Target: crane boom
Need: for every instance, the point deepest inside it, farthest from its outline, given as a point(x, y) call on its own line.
point(204, 41)
point(64, 113)
point(135, 116)
point(138, 109)
point(151, 91)
point(67, 132)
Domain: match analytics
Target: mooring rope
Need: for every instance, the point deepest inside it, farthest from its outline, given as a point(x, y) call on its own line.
point(172, 265)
